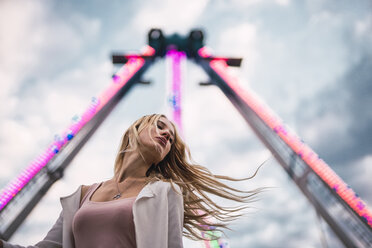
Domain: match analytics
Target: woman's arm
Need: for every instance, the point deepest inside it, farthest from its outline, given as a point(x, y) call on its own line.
point(175, 218)
point(52, 240)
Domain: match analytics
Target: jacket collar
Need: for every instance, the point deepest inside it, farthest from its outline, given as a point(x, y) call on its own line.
point(147, 191)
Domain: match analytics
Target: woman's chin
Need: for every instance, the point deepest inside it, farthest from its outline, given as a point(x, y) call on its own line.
point(157, 157)
point(154, 153)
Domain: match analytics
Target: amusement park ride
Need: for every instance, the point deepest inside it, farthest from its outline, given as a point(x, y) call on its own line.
point(346, 214)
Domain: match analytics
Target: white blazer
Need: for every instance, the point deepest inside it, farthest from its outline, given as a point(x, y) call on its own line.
point(157, 212)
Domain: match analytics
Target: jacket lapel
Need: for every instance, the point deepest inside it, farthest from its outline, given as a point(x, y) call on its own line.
point(146, 192)
point(70, 204)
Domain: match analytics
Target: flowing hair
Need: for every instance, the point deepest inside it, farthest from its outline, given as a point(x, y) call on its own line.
point(195, 181)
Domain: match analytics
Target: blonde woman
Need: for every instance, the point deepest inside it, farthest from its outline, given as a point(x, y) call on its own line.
point(155, 197)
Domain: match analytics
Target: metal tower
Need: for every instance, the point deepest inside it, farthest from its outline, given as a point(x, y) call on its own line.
point(343, 210)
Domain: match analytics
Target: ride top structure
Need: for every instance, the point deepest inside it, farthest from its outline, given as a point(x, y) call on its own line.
point(346, 214)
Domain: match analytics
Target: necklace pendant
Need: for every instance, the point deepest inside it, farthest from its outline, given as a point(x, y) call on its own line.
point(116, 196)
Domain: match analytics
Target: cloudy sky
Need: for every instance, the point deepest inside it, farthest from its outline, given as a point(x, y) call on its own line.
point(310, 61)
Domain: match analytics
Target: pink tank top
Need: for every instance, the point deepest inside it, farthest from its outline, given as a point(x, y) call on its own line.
point(104, 224)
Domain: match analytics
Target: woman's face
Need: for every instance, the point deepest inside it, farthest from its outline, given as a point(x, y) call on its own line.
point(156, 145)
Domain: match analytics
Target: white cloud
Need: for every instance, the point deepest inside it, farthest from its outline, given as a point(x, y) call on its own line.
point(16, 40)
point(88, 28)
point(362, 29)
point(17, 53)
point(170, 16)
point(363, 26)
point(326, 125)
point(240, 41)
point(282, 2)
point(258, 2)
point(36, 37)
point(363, 170)
point(34, 42)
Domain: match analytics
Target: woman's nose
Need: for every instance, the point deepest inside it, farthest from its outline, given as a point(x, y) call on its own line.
point(166, 134)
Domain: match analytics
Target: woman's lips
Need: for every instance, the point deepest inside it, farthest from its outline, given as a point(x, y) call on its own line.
point(162, 142)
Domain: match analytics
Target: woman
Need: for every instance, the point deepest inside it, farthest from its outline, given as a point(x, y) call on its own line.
point(155, 197)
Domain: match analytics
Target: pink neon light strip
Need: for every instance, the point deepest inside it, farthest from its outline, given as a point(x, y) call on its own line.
point(177, 58)
point(292, 140)
point(97, 103)
point(176, 96)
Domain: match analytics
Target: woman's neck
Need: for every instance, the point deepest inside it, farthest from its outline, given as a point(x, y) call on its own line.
point(133, 166)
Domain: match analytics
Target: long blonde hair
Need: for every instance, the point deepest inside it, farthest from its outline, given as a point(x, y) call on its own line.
point(194, 180)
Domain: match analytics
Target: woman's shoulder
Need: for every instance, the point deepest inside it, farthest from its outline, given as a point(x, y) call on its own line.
point(85, 189)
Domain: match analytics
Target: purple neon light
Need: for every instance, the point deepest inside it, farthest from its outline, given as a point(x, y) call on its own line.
point(96, 104)
point(176, 58)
